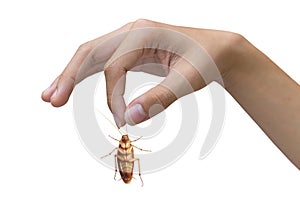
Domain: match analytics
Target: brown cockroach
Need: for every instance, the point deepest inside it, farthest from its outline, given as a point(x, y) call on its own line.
point(124, 158)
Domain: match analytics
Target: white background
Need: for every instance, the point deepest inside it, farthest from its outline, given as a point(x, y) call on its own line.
point(41, 156)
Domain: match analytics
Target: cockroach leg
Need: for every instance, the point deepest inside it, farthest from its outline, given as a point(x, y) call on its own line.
point(137, 139)
point(109, 153)
point(141, 148)
point(116, 170)
point(137, 159)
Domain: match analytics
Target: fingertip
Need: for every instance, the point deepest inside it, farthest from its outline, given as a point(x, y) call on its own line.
point(54, 100)
point(120, 121)
point(47, 93)
point(57, 103)
point(45, 97)
point(62, 91)
point(59, 98)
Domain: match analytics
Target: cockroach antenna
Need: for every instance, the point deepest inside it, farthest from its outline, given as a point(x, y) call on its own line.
point(119, 130)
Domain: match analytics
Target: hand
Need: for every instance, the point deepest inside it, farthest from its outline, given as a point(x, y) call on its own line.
point(189, 58)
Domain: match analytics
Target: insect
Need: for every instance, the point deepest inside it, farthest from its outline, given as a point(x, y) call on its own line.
point(124, 158)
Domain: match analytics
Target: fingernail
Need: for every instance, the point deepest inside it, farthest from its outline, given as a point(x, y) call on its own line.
point(117, 121)
point(135, 114)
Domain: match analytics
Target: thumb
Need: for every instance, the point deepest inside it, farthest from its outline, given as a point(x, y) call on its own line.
point(182, 79)
point(149, 104)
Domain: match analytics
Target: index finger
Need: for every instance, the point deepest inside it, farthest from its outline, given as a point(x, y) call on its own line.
point(115, 75)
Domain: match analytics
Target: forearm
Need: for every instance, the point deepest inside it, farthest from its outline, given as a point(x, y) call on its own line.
point(269, 96)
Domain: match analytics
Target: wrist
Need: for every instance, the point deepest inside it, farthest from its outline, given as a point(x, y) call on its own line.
point(237, 61)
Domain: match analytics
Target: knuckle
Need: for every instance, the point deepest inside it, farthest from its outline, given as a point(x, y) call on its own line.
point(163, 96)
point(67, 77)
point(234, 39)
point(108, 70)
point(139, 23)
point(85, 47)
point(141, 20)
point(160, 100)
point(128, 25)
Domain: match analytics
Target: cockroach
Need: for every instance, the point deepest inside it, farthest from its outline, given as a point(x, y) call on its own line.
point(124, 158)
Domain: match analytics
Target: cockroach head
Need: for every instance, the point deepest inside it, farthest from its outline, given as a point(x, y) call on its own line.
point(125, 138)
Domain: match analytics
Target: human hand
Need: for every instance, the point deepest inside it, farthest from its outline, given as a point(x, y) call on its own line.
point(189, 58)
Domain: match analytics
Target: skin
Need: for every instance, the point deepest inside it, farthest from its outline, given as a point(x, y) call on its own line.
point(265, 92)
